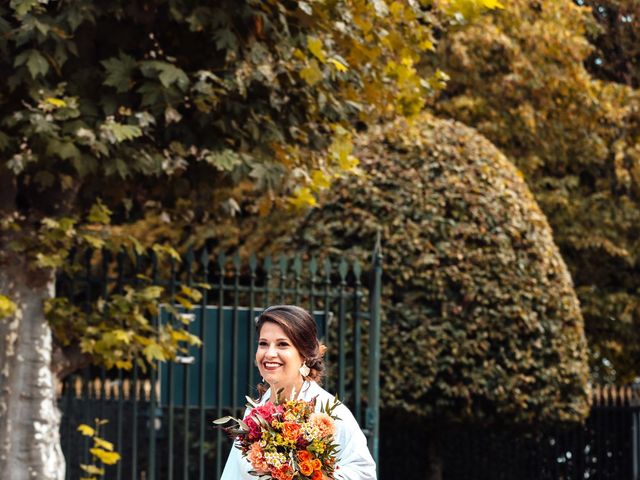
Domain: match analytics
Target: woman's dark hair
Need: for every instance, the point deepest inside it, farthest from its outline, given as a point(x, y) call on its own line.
point(301, 329)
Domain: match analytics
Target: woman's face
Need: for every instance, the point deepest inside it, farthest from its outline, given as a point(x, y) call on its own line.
point(278, 360)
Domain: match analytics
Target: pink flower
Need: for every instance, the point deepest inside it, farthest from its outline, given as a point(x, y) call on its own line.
point(324, 423)
point(266, 411)
point(256, 458)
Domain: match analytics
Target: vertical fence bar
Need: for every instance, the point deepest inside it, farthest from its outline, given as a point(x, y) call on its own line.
point(267, 264)
point(170, 376)
point(153, 379)
point(342, 330)
point(221, 262)
point(236, 341)
point(297, 270)
point(283, 277)
point(326, 299)
point(635, 431)
point(357, 347)
point(253, 263)
point(85, 388)
point(106, 258)
point(120, 409)
point(313, 271)
point(204, 263)
point(373, 407)
point(134, 381)
point(186, 408)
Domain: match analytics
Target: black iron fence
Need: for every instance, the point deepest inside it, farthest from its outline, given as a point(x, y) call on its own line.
point(606, 447)
point(160, 422)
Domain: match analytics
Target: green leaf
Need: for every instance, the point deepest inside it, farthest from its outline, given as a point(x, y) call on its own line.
point(22, 7)
point(37, 64)
point(116, 132)
point(225, 160)
point(99, 213)
point(62, 149)
point(120, 72)
point(168, 74)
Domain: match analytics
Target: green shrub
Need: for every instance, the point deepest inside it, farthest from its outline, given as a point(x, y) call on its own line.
point(482, 322)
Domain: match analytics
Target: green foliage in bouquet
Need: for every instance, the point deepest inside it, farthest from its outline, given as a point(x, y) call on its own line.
point(482, 323)
point(520, 80)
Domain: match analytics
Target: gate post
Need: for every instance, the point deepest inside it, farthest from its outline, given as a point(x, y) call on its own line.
point(373, 406)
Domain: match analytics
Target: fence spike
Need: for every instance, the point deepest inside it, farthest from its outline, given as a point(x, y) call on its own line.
point(190, 257)
point(313, 266)
point(282, 261)
point(237, 262)
point(253, 263)
point(327, 268)
point(343, 268)
point(222, 259)
point(268, 264)
point(297, 265)
point(126, 389)
point(357, 270)
point(97, 388)
point(204, 259)
point(77, 387)
point(146, 386)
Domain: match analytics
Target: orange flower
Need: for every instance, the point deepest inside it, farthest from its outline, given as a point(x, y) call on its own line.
point(290, 431)
point(256, 458)
point(324, 423)
point(283, 473)
point(317, 475)
point(306, 468)
point(304, 456)
point(316, 464)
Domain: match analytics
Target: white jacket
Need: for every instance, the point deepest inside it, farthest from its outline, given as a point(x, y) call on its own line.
point(354, 461)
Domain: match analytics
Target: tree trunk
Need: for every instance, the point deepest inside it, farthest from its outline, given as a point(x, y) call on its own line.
point(434, 459)
point(29, 415)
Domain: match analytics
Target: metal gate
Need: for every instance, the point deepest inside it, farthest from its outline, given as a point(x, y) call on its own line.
point(160, 422)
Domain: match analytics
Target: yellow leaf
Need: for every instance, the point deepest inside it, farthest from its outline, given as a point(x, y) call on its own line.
point(319, 180)
point(86, 430)
point(109, 458)
point(124, 364)
point(101, 443)
point(153, 351)
point(311, 73)
point(92, 469)
point(56, 102)
point(93, 241)
point(315, 46)
point(123, 336)
point(348, 164)
point(184, 336)
point(7, 307)
point(340, 66)
point(192, 293)
point(303, 198)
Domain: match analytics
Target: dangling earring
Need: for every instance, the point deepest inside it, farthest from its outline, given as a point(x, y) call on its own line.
point(304, 370)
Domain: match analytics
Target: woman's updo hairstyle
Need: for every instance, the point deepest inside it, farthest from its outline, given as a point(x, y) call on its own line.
point(301, 328)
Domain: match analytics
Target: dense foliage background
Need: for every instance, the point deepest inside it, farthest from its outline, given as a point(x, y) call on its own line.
point(523, 80)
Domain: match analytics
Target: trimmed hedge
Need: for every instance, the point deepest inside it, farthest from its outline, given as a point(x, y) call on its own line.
point(482, 322)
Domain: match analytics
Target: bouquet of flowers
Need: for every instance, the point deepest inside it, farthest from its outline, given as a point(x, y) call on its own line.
point(288, 440)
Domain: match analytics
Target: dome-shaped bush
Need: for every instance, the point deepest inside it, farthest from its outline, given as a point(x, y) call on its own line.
point(482, 321)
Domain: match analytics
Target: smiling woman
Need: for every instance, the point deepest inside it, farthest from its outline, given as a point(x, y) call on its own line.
point(290, 360)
